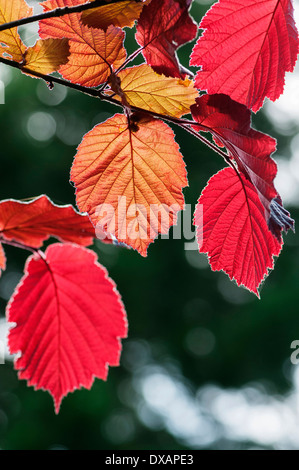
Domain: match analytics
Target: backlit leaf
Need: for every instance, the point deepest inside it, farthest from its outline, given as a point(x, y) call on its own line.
point(66, 26)
point(69, 321)
point(93, 52)
point(47, 55)
point(145, 89)
point(120, 14)
point(93, 55)
point(246, 49)
point(11, 11)
point(165, 25)
point(230, 124)
point(129, 178)
point(232, 230)
point(31, 223)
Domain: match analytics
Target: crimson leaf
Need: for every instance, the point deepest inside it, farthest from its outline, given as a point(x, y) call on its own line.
point(232, 230)
point(230, 124)
point(164, 25)
point(69, 321)
point(246, 49)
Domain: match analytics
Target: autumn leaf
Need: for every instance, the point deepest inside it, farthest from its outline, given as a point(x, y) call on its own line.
point(120, 14)
point(31, 223)
point(230, 124)
point(92, 57)
point(66, 26)
point(246, 49)
point(232, 230)
point(2, 259)
point(129, 178)
point(72, 332)
point(145, 89)
point(93, 52)
point(165, 25)
point(47, 55)
point(11, 11)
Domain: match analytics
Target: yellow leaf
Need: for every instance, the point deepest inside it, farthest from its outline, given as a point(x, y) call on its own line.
point(12, 10)
point(118, 14)
point(145, 89)
point(47, 55)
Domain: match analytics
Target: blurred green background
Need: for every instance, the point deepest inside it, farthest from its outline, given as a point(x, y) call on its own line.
point(206, 364)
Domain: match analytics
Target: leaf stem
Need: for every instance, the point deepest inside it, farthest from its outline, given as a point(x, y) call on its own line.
point(129, 59)
point(18, 245)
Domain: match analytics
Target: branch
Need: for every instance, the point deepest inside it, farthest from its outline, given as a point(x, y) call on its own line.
point(50, 79)
point(184, 123)
point(60, 12)
point(208, 143)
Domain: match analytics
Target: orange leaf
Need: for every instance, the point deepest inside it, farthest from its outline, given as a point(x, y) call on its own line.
point(66, 26)
point(145, 89)
point(11, 11)
point(92, 51)
point(93, 54)
point(2, 259)
point(32, 222)
point(47, 55)
point(129, 178)
point(120, 14)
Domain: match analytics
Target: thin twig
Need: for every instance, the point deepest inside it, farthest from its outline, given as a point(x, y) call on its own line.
point(129, 59)
point(208, 144)
point(51, 79)
point(184, 123)
point(18, 245)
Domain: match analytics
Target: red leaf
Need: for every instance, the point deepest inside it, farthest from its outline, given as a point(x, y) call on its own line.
point(232, 230)
point(164, 25)
point(246, 48)
point(2, 259)
point(31, 223)
point(230, 124)
point(69, 318)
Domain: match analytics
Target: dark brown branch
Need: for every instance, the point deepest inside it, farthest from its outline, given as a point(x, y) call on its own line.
point(59, 12)
point(51, 79)
point(184, 123)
